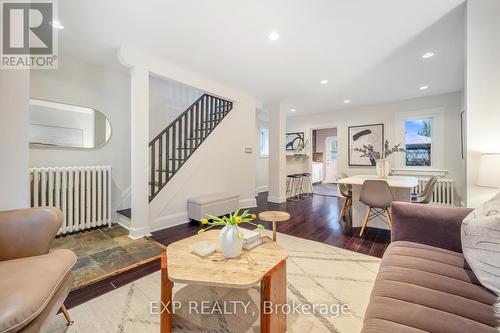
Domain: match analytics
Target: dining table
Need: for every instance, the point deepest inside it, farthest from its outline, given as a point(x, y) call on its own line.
point(401, 187)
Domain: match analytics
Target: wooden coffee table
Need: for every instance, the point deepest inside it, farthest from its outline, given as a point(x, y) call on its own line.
point(265, 264)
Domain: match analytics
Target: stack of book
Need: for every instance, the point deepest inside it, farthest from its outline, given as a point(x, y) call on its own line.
point(251, 238)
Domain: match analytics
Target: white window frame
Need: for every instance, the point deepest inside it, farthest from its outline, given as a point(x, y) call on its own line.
point(437, 135)
point(264, 141)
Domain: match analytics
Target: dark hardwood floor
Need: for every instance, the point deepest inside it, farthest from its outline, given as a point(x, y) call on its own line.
point(96, 289)
point(314, 218)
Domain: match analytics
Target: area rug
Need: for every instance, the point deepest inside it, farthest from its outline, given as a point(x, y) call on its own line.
point(329, 190)
point(106, 251)
point(318, 275)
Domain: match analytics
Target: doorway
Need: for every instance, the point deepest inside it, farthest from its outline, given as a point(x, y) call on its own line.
point(324, 162)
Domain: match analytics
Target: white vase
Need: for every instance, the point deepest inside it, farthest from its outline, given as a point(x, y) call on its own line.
point(383, 168)
point(230, 243)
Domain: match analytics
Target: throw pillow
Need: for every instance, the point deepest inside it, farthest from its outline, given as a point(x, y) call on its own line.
point(481, 243)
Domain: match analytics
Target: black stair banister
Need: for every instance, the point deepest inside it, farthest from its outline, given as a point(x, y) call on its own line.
point(173, 146)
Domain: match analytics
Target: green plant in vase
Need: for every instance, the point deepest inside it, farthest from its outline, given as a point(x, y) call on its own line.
point(230, 237)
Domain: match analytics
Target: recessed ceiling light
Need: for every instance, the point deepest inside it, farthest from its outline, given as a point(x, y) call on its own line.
point(293, 110)
point(423, 87)
point(428, 55)
point(274, 36)
point(323, 81)
point(57, 25)
point(347, 101)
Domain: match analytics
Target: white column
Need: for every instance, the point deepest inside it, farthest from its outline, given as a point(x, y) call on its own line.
point(277, 158)
point(482, 91)
point(14, 134)
point(139, 226)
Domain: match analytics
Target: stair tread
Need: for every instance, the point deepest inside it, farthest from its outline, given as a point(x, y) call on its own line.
point(125, 212)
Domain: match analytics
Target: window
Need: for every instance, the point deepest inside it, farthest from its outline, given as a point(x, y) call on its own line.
point(421, 134)
point(418, 142)
point(264, 142)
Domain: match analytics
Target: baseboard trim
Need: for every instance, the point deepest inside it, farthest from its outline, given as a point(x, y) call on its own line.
point(123, 221)
point(168, 221)
point(138, 233)
point(248, 203)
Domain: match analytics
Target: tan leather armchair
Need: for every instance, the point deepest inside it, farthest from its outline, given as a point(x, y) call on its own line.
point(33, 281)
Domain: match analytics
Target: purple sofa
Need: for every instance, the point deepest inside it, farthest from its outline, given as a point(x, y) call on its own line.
point(424, 283)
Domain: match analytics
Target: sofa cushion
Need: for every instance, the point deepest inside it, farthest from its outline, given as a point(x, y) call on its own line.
point(481, 243)
point(28, 284)
point(421, 288)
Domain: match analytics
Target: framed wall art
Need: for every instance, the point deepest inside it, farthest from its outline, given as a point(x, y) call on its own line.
point(364, 135)
point(294, 141)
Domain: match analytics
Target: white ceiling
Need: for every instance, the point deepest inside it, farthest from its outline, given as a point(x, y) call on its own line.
point(370, 51)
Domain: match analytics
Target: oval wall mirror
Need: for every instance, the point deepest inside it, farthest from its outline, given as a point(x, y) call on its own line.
point(60, 125)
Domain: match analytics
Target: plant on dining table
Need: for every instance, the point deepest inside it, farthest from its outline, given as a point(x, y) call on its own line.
point(232, 219)
point(370, 152)
point(379, 159)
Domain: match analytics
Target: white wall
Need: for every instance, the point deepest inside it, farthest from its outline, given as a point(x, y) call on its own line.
point(261, 162)
point(383, 113)
point(482, 90)
point(167, 100)
point(14, 132)
point(104, 89)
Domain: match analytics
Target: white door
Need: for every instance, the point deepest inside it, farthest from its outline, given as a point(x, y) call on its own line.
point(331, 159)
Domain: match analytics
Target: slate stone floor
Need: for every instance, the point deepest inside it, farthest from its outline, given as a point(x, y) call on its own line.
point(105, 251)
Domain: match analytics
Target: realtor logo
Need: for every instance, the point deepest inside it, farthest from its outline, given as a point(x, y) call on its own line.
point(28, 38)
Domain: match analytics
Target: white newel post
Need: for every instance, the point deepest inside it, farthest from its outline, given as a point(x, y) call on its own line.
point(277, 158)
point(139, 226)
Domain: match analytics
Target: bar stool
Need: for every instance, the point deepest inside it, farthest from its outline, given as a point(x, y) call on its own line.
point(299, 189)
point(307, 177)
point(292, 186)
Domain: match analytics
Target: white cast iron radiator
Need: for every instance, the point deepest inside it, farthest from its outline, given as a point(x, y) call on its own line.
point(444, 192)
point(82, 193)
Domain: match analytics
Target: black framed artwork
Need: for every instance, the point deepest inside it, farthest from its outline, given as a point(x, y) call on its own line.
point(294, 141)
point(364, 135)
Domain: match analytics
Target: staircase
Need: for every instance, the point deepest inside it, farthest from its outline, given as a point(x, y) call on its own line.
point(173, 146)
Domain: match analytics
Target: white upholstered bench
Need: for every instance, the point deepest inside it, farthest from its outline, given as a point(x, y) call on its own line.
point(217, 204)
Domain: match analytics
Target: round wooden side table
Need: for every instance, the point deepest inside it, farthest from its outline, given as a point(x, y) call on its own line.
point(274, 216)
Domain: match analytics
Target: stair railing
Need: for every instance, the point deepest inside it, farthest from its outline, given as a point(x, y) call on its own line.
point(173, 146)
